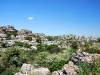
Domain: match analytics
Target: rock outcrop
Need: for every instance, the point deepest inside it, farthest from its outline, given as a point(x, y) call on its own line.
point(41, 71)
point(82, 56)
point(68, 69)
point(24, 32)
point(28, 69)
point(3, 29)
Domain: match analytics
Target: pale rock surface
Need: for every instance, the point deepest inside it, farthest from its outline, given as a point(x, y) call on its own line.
point(82, 56)
point(41, 71)
point(68, 69)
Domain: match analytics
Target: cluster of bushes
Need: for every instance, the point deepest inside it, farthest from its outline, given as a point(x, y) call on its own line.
point(11, 59)
point(49, 48)
point(9, 33)
point(28, 38)
point(26, 45)
point(53, 62)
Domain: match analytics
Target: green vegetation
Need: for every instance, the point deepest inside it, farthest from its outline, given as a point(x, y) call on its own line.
point(28, 38)
point(89, 69)
point(9, 33)
point(50, 56)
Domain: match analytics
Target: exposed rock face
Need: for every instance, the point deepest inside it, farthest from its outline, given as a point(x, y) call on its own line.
point(27, 69)
point(24, 32)
point(10, 28)
point(41, 71)
point(82, 56)
point(68, 69)
point(3, 29)
point(58, 73)
point(2, 35)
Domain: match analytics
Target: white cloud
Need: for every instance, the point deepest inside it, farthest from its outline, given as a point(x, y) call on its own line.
point(30, 18)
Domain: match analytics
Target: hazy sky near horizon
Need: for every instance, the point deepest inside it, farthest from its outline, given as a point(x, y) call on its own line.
point(52, 17)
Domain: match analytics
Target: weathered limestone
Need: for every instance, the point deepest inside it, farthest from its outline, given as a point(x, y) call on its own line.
point(68, 69)
point(24, 32)
point(41, 71)
point(27, 69)
point(82, 56)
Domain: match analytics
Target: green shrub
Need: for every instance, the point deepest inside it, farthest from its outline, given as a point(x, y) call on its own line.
point(2, 68)
point(93, 50)
point(9, 33)
point(4, 45)
point(57, 65)
point(53, 48)
point(26, 45)
point(38, 39)
point(13, 57)
point(93, 68)
point(28, 38)
point(50, 38)
point(18, 43)
point(41, 58)
point(74, 45)
point(10, 71)
point(98, 40)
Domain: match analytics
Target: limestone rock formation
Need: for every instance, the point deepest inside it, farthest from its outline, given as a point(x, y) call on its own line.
point(24, 32)
point(27, 69)
point(41, 71)
point(68, 69)
point(3, 29)
point(82, 56)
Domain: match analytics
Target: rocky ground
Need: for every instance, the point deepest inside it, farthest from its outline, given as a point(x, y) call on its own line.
point(67, 69)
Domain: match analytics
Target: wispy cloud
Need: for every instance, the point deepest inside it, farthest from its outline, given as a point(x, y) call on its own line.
point(30, 18)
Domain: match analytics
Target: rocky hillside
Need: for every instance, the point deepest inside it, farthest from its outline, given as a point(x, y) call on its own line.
point(23, 52)
point(10, 36)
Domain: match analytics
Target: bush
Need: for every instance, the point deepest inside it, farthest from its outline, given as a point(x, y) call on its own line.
point(93, 50)
point(57, 65)
point(41, 58)
point(38, 39)
point(26, 45)
point(53, 48)
point(4, 45)
point(50, 38)
point(28, 38)
point(9, 33)
point(10, 71)
point(93, 68)
point(74, 45)
point(98, 40)
point(13, 57)
point(18, 43)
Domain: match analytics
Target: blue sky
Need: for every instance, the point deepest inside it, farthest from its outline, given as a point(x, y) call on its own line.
point(52, 17)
